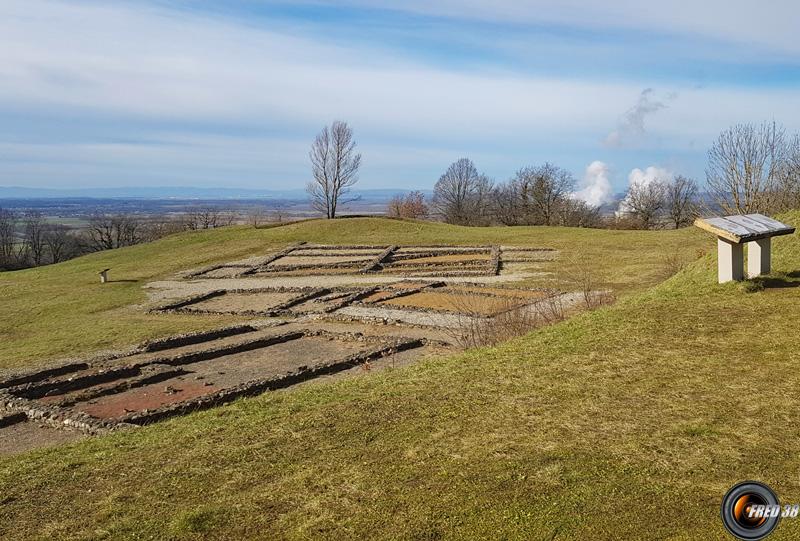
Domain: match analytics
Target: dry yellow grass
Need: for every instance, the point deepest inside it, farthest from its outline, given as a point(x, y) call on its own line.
point(597, 428)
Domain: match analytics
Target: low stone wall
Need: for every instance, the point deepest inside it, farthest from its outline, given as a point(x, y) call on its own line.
point(405, 256)
point(397, 293)
point(344, 246)
point(14, 381)
point(488, 265)
point(149, 377)
point(186, 301)
point(41, 389)
point(270, 259)
point(246, 269)
point(304, 294)
point(188, 339)
point(377, 263)
point(494, 261)
point(56, 417)
point(21, 403)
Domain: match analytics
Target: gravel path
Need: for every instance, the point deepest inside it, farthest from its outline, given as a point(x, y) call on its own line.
point(411, 317)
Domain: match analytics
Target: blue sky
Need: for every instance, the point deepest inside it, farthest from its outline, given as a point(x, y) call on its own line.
point(201, 93)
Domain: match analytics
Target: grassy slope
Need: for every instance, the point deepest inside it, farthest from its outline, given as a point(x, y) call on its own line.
point(62, 310)
point(626, 423)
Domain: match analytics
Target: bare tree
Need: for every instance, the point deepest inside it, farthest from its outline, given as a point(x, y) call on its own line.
point(334, 165)
point(33, 236)
point(57, 240)
point(106, 232)
point(681, 201)
point(160, 226)
point(577, 213)
point(547, 186)
point(412, 205)
point(534, 196)
point(506, 206)
point(8, 238)
point(645, 202)
point(257, 217)
point(788, 196)
point(208, 217)
point(128, 230)
point(100, 232)
point(461, 194)
point(745, 166)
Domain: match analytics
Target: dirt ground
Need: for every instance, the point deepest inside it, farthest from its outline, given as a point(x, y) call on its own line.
point(434, 249)
point(438, 320)
point(378, 296)
point(454, 302)
point(242, 302)
point(452, 258)
point(308, 271)
point(29, 435)
point(363, 252)
point(318, 260)
point(144, 398)
point(500, 291)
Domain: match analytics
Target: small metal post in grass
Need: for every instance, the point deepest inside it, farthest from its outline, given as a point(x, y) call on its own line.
point(103, 275)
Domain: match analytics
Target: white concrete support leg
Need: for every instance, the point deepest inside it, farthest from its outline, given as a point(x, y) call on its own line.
point(758, 257)
point(730, 261)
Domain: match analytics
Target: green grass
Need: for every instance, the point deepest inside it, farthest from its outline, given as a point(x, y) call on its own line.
point(62, 310)
point(629, 422)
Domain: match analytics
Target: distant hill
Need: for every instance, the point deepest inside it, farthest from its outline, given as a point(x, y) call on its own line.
point(180, 192)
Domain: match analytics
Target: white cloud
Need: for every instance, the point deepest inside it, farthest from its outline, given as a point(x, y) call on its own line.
point(595, 189)
point(649, 175)
point(772, 25)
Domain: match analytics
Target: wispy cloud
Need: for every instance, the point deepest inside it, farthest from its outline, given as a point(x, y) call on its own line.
point(631, 129)
point(735, 21)
point(237, 99)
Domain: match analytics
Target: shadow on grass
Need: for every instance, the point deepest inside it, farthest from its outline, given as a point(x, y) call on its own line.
point(122, 281)
point(777, 280)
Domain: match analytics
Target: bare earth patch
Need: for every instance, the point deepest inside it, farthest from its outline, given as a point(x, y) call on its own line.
point(28, 435)
point(450, 302)
point(452, 258)
point(317, 260)
point(243, 302)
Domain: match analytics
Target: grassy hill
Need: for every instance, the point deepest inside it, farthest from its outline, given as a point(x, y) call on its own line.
point(629, 422)
point(62, 310)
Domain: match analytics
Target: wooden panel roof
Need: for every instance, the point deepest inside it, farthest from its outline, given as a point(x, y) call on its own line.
point(744, 227)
